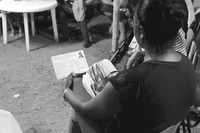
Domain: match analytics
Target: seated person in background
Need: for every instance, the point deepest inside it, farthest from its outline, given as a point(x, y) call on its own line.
point(108, 11)
point(191, 19)
point(151, 96)
point(18, 18)
point(64, 18)
point(182, 37)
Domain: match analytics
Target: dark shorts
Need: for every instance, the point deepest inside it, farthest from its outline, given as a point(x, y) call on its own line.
point(89, 12)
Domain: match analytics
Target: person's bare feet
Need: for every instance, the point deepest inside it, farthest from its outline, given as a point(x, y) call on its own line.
point(121, 39)
point(21, 33)
point(110, 30)
point(12, 33)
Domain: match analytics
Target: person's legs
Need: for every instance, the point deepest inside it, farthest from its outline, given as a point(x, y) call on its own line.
point(84, 30)
point(110, 28)
point(63, 18)
point(122, 32)
point(18, 18)
point(72, 119)
point(122, 28)
point(10, 22)
point(108, 12)
point(89, 13)
point(109, 16)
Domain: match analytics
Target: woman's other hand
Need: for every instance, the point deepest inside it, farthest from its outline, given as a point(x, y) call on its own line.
point(68, 82)
point(131, 60)
point(135, 58)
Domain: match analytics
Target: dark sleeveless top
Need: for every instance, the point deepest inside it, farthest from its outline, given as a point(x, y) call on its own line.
point(154, 95)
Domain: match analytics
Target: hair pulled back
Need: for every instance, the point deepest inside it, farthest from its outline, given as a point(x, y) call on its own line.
point(161, 21)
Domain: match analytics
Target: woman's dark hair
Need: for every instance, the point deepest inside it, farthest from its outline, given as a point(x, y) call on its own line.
point(161, 21)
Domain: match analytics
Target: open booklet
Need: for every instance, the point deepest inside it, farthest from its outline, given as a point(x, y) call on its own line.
point(97, 75)
point(94, 77)
point(64, 64)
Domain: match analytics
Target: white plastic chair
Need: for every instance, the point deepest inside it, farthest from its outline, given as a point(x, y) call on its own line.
point(8, 123)
point(28, 7)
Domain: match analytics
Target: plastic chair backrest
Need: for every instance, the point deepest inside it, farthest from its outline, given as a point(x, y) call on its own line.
point(171, 129)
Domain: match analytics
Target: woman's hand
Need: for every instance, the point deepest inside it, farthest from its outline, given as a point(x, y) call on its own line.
point(135, 59)
point(68, 82)
point(100, 85)
point(131, 60)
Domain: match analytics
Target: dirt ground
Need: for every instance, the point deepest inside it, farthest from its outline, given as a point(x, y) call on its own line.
point(28, 85)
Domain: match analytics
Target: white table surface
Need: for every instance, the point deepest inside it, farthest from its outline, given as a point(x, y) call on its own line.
point(26, 7)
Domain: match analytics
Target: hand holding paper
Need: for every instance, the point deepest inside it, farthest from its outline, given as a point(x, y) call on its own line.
point(68, 82)
point(70, 62)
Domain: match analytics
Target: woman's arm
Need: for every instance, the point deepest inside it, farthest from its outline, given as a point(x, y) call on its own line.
point(105, 104)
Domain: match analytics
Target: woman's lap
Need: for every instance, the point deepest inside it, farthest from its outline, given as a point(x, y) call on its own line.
point(86, 124)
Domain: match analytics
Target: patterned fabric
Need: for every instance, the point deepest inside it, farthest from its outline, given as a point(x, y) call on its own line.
point(180, 45)
point(154, 95)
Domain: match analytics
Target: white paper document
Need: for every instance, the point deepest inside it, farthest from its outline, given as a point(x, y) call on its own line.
point(70, 62)
point(133, 43)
